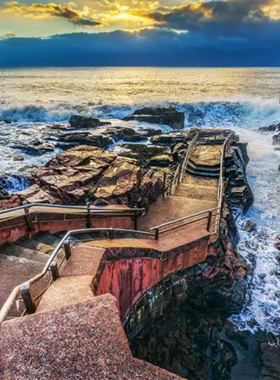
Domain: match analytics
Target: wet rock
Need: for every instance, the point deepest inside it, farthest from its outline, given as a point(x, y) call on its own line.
point(35, 149)
point(17, 157)
point(249, 226)
point(161, 161)
point(238, 191)
point(270, 128)
point(73, 139)
point(81, 122)
point(151, 132)
point(176, 324)
point(136, 138)
point(171, 139)
point(144, 153)
point(168, 116)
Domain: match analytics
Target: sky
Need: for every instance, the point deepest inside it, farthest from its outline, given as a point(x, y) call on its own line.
point(140, 33)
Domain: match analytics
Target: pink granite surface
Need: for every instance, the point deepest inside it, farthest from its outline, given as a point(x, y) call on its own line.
point(81, 341)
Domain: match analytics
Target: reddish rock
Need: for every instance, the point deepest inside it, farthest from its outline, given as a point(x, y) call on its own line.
point(14, 201)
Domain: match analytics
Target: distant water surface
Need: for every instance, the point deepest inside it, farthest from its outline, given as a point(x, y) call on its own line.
point(241, 99)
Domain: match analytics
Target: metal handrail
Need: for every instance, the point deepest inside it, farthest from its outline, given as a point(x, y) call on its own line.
point(184, 218)
point(221, 176)
point(189, 152)
point(177, 176)
point(13, 296)
point(62, 207)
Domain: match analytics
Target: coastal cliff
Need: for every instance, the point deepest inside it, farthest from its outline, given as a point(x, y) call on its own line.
point(196, 301)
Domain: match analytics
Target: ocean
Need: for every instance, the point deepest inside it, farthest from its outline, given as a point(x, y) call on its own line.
point(243, 99)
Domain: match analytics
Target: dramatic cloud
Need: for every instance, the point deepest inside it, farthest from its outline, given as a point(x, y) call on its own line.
point(131, 14)
point(51, 10)
point(154, 47)
point(162, 33)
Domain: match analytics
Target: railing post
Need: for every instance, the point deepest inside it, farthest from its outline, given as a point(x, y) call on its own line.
point(67, 249)
point(27, 216)
point(54, 270)
point(157, 234)
point(164, 185)
point(111, 233)
point(27, 299)
point(135, 219)
point(89, 225)
point(209, 220)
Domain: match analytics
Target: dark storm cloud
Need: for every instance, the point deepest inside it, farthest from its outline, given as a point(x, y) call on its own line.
point(213, 16)
point(157, 47)
point(50, 10)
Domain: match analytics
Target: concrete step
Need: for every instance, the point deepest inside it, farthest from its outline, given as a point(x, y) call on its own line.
point(81, 341)
point(25, 253)
point(35, 245)
point(201, 173)
point(196, 192)
point(47, 238)
point(213, 168)
point(14, 271)
point(66, 291)
point(207, 182)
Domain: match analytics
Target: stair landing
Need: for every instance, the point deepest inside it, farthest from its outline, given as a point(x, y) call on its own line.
point(82, 341)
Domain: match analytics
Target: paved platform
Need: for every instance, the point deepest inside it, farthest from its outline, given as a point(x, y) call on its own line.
point(82, 341)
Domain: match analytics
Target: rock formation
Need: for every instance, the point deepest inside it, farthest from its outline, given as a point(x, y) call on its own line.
point(169, 116)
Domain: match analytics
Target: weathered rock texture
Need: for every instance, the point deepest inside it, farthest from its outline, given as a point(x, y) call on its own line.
point(169, 116)
point(239, 193)
point(88, 173)
point(175, 324)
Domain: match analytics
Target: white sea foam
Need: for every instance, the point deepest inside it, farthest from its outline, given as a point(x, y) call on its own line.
point(241, 99)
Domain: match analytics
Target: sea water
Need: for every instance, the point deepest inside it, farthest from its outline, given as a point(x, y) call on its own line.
point(243, 99)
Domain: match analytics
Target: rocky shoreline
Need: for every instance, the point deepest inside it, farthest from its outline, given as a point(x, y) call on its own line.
point(94, 169)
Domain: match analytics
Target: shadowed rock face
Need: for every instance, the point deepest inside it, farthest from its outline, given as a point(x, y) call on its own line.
point(175, 325)
point(77, 121)
point(168, 116)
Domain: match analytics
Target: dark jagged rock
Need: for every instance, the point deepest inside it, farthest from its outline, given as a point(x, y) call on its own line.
point(81, 122)
point(168, 116)
point(35, 149)
point(88, 173)
point(270, 128)
point(73, 139)
point(144, 153)
point(176, 324)
point(239, 193)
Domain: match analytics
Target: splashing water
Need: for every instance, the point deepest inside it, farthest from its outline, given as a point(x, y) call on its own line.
point(240, 99)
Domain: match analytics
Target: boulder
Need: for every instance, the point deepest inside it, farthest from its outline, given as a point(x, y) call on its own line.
point(81, 122)
point(121, 180)
point(168, 116)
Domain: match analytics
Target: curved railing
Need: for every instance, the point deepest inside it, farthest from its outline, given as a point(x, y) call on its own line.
point(177, 176)
point(210, 217)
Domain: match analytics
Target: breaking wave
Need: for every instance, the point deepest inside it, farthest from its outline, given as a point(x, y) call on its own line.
point(251, 112)
point(245, 116)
